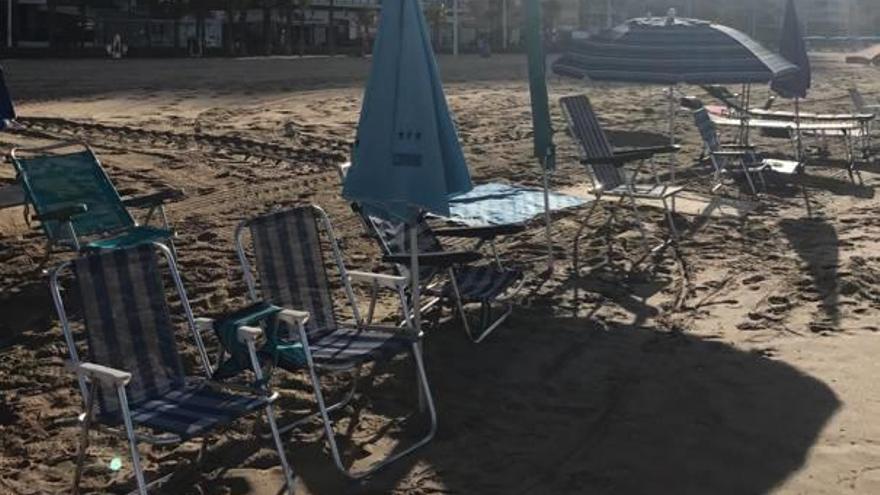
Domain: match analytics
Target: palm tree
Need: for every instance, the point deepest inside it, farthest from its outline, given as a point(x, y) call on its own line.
point(303, 7)
point(331, 28)
point(436, 16)
point(365, 18)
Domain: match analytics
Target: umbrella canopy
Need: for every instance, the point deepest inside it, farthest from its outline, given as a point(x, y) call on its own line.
point(406, 158)
point(670, 50)
point(794, 49)
point(543, 133)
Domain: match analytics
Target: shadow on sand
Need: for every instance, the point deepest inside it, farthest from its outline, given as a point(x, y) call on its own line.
point(566, 405)
point(816, 243)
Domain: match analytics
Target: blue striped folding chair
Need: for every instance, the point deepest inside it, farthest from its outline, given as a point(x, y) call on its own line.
point(289, 247)
point(451, 275)
point(133, 375)
point(607, 164)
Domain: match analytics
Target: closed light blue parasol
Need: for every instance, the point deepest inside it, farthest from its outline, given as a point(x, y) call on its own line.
point(407, 159)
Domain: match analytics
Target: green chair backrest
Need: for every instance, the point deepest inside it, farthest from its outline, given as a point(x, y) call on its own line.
point(54, 181)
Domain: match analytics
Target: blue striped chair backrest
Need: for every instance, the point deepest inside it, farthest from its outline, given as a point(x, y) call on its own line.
point(291, 265)
point(593, 143)
point(394, 239)
point(128, 324)
point(707, 129)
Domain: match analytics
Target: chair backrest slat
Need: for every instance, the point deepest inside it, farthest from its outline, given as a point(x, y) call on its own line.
point(393, 238)
point(707, 129)
point(587, 131)
point(858, 100)
point(128, 323)
point(291, 265)
point(54, 181)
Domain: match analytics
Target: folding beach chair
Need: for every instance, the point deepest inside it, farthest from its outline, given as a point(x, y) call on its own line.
point(860, 104)
point(289, 248)
point(453, 276)
point(725, 157)
point(77, 205)
point(133, 375)
point(607, 164)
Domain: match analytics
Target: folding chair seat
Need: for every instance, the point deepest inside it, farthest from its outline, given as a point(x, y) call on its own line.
point(606, 165)
point(77, 205)
point(293, 298)
point(134, 375)
point(452, 275)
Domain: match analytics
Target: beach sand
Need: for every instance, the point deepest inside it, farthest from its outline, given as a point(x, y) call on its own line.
point(741, 363)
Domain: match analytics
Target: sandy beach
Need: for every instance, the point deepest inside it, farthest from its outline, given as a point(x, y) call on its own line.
point(741, 362)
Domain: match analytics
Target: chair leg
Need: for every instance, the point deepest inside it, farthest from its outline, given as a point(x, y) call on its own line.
point(460, 304)
point(669, 219)
point(279, 446)
point(85, 425)
point(425, 390)
point(748, 175)
point(132, 442)
point(488, 325)
point(638, 216)
point(331, 408)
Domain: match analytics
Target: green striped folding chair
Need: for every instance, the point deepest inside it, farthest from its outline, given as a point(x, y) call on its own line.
point(291, 274)
point(77, 205)
point(132, 379)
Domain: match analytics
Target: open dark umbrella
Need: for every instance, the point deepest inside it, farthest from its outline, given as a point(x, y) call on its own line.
point(793, 47)
point(671, 50)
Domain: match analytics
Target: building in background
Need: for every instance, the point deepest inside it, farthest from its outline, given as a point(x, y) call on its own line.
point(261, 27)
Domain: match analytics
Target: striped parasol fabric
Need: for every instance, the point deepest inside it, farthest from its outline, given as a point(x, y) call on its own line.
point(671, 50)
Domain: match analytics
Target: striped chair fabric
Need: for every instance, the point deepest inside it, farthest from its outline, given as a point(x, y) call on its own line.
point(394, 237)
point(291, 266)
point(707, 129)
point(592, 140)
point(475, 283)
point(128, 327)
point(290, 263)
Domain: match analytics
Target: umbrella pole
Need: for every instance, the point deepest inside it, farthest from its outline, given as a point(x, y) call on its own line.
point(672, 117)
point(797, 124)
point(548, 162)
point(414, 277)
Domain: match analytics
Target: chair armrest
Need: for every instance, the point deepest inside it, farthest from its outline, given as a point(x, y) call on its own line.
point(62, 213)
point(617, 161)
point(293, 317)
point(389, 281)
point(647, 151)
point(154, 199)
point(732, 153)
point(248, 334)
point(733, 146)
point(445, 259)
point(103, 374)
point(484, 232)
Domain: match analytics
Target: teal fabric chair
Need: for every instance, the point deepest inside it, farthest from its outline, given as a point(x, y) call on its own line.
point(79, 208)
